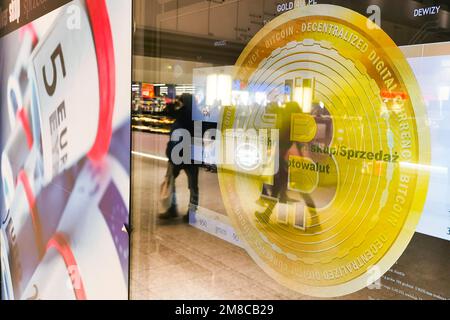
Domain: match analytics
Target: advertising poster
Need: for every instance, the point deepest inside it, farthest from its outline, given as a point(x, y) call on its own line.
point(65, 78)
point(148, 91)
point(329, 207)
point(431, 66)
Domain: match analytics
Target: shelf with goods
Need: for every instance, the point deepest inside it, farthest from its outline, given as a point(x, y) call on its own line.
point(150, 116)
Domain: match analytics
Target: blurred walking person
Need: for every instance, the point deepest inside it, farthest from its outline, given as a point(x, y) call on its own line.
point(181, 110)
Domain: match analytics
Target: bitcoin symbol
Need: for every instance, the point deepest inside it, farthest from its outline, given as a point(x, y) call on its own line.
point(344, 189)
point(299, 179)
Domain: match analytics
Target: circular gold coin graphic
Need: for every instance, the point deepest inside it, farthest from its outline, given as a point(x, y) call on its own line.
point(324, 151)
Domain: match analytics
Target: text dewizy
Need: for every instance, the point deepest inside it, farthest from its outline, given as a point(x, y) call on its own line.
point(427, 11)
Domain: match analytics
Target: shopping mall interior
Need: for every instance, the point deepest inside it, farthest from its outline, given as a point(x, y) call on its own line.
point(181, 45)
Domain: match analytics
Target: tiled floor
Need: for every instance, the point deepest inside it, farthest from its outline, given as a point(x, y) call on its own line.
point(176, 261)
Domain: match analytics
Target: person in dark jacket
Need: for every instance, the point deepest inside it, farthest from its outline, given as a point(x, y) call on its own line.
point(182, 112)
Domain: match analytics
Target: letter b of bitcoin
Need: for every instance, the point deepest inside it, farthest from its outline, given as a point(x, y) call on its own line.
point(307, 177)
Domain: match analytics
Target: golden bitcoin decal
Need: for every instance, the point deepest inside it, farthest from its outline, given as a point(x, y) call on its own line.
point(324, 151)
